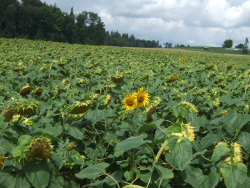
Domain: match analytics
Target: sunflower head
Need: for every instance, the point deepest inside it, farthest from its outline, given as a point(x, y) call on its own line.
point(188, 131)
point(142, 97)
point(130, 102)
point(39, 148)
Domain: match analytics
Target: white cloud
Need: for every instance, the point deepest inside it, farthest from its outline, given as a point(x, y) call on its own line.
point(196, 22)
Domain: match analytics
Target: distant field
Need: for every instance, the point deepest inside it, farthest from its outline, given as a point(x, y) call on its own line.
point(213, 50)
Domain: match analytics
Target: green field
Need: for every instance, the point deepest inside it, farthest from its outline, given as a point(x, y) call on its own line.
point(213, 50)
point(95, 116)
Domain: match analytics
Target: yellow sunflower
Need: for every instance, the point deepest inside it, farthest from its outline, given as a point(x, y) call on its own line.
point(130, 102)
point(142, 97)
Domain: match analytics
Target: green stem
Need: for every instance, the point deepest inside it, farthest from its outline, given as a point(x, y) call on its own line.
point(164, 145)
point(114, 180)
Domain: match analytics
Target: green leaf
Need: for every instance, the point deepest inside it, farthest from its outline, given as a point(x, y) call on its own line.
point(234, 121)
point(244, 139)
point(38, 173)
point(23, 142)
point(197, 121)
point(195, 177)
point(211, 139)
point(146, 127)
point(74, 131)
point(192, 176)
point(58, 159)
point(92, 172)
point(129, 143)
point(182, 151)
point(220, 151)
point(3, 124)
point(97, 115)
point(165, 172)
point(210, 181)
point(175, 128)
point(234, 175)
point(246, 183)
point(7, 180)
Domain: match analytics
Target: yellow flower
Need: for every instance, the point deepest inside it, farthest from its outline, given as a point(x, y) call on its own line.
point(2, 158)
point(28, 121)
point(142, 97)
point(188, 131)
point(187, 105)
point(237, 153)
point(130, 102)
point(225, 112)
point(236, 156)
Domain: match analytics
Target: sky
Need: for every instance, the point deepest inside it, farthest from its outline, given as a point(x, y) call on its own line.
point(188, 22)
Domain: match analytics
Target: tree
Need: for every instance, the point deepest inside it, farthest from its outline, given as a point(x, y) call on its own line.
point(240, 46)
point(69, 27)
point(228, 43)
point(246, 41)
point(245, 47)
point(168, 45)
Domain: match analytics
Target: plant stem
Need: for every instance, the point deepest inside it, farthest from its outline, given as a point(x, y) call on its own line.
point(114, 180)
point(164, 145)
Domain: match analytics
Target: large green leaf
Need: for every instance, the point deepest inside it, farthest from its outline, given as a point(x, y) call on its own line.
point(244, 139)
point(182, 151)
point(234, 175)
point(8, 180)
point(233, 121)
point(210, 139)
point(165, 172)
point(93, 171)
point(246, 183)
point(23, 141)
point(75, 131)
point(38, 173)
point(195, 177)
point(220, 151)
point(129, 143)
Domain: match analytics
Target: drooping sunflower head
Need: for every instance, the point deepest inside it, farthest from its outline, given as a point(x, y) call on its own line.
point(130, 102)
point(142, 97)
point(188, 131)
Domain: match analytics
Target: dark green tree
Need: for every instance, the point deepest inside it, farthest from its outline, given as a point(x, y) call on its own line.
point(69, 27)
point(240, 46)
point(81, 27)
point(245, 47)
point(228, 43)
point(9, 12)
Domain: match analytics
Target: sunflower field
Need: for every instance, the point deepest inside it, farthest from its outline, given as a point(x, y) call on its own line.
point(85, 116)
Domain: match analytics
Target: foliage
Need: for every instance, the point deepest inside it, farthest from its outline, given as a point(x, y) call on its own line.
point(240, 46)
point(228, 43)
point(37, 20)
point(191, 131)
point(114, 38)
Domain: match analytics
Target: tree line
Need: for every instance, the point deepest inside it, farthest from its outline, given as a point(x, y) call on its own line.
point(244, 47)
point(33, 19)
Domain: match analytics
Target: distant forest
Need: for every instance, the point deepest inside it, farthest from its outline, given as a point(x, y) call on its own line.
point(33, 19)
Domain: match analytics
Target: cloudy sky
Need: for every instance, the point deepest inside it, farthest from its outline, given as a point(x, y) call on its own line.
point(193, 22)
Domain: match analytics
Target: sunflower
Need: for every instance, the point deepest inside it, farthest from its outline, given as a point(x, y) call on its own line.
point(130, 102)
point(142, 97)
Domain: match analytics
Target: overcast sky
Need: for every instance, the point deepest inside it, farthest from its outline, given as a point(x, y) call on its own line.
point(193, 22)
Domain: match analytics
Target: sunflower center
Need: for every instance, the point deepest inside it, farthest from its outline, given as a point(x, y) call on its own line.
point(140, 98)
point(130, 102)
